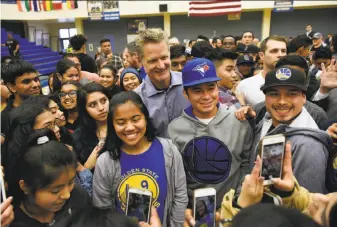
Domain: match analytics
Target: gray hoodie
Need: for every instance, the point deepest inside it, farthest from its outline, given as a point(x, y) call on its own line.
point(310, 151)
point(235, 135)
point(108, 173)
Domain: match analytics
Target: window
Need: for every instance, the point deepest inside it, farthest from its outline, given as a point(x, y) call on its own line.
point(72, 31)
point(65, 34)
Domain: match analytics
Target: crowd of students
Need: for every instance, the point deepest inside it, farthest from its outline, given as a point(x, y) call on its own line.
point(171, 119)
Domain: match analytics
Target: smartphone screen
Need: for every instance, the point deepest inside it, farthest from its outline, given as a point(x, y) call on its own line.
point(139, 206)
point(2, 185)
point(205, 211)
point(272, 160)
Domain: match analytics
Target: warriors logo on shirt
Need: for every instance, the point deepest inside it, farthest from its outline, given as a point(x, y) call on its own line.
point(207, 160)
point(138, 178)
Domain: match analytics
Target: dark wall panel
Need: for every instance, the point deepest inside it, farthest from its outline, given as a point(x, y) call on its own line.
point(185, 27)
point(294, 23)
point(16, 27)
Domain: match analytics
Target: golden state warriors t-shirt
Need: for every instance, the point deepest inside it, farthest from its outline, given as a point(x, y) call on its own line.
point(145, 171)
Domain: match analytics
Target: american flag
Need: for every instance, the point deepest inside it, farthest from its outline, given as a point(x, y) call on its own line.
point(214, 7)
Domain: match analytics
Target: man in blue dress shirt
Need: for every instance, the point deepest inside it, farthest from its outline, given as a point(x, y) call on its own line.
point(162, 89)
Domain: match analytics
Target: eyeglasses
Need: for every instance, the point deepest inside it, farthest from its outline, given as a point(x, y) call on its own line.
point(71, 94)
point(51, 126)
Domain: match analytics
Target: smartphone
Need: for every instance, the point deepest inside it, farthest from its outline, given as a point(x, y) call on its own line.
point(272, 153)
point(2, 184)
point(139, 204)
point(204, 206)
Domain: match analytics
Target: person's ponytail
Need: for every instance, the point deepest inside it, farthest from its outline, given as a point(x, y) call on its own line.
point(40, 164)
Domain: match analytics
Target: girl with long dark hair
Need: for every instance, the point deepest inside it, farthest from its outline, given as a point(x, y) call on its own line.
point(39, 112)
point(93, 109)
point(135, 158)
point(24, 120)
point(108, 79)
point(68, 100)
point(43, 186)
point(66, 70)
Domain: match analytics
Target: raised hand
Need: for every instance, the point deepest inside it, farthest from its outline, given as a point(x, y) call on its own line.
point(7, 213)
point(252, 186)
point(328, 77)
point(91, 162)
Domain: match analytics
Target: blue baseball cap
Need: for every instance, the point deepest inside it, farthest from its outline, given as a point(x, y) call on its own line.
point(199, 71)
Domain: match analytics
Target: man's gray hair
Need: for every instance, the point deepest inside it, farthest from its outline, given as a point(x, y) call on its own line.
point(150, 35)
point(133, 48)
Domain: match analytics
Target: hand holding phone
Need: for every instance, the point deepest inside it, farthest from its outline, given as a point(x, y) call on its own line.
point(7, 213)
point(138, 205)
point(154, 219)
point(272, 157)
point(2, 184)
point(204, 207)
point(287, 182)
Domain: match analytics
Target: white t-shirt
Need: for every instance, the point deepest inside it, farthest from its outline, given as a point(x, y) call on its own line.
point(206, 121)
point(250, 89)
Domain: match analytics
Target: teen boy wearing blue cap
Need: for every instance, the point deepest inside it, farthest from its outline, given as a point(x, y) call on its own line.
point(214, 144)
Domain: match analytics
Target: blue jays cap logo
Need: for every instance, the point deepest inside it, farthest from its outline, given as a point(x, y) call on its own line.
point(283, 74)
point(202, 68)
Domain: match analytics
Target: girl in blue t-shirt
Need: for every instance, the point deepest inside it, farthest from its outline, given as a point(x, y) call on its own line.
point(136, 158)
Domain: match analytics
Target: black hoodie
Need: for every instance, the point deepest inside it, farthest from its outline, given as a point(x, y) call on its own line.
point(87, 63)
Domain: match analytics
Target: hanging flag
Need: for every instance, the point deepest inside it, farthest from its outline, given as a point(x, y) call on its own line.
point(56, 4)
point(41, 5)
point(69, 5)
point(37, 5)
point(72, 4)
point(214, 8)
point(44, 5)
point(49, 5)
point(24, 5)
